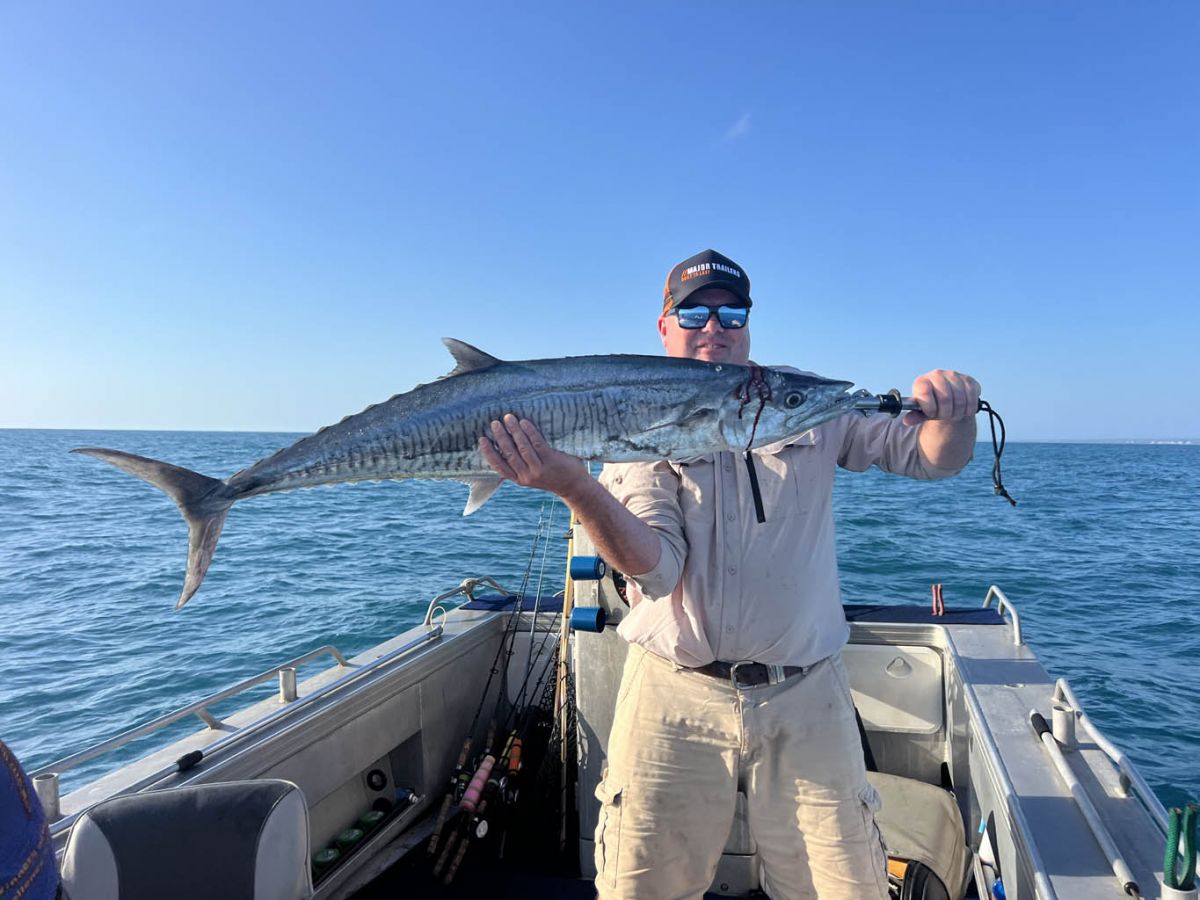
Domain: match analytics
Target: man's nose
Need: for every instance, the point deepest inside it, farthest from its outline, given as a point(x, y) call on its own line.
point(713, 324)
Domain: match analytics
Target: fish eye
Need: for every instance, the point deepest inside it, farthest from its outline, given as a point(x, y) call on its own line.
point(791, 401)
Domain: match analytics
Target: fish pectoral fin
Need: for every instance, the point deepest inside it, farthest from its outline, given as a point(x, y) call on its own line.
point(482, 489)
point(468, 358)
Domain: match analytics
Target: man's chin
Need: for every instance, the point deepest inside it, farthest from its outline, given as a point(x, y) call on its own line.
point(714, 354)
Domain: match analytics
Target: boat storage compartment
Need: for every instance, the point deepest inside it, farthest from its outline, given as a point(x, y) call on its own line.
point(897, 688)
point(334, 769)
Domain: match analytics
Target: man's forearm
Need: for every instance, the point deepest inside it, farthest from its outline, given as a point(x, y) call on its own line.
point(948, 443)
point(621, 538)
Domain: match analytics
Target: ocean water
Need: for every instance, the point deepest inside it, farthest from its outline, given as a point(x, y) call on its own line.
point(1098, 557)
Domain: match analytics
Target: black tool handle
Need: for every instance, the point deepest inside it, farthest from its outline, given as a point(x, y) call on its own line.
point(892, 403)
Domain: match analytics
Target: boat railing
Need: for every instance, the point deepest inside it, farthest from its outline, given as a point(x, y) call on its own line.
point(1128, 777)
point(1002, 604)
point(46, 779)
point(1066, 703)
point(466, 589)
point(198, 709)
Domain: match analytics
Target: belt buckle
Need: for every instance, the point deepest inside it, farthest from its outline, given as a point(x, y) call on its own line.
point(774, 674)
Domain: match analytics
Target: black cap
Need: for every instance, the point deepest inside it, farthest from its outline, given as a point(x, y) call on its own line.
point(707, 269)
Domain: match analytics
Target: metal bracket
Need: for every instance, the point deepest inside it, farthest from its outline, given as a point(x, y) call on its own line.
point(467, 589)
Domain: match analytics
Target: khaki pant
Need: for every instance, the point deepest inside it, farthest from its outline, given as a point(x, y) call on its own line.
point(681, 747)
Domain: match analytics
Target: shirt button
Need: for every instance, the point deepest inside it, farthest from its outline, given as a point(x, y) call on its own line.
point(729, 629)
point(728, 467)
point(730, 516)
point(733, 570)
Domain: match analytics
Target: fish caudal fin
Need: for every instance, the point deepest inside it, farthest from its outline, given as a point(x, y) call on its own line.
point(203, 501)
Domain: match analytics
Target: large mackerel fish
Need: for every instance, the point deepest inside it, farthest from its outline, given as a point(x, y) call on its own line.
point(618, 408)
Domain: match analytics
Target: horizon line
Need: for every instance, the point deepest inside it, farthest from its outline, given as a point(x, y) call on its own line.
point(982, 439)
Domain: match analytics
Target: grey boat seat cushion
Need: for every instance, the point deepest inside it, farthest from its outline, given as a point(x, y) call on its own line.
point(921, 822)
point(239, 840)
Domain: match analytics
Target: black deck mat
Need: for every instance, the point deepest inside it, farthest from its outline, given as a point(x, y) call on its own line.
point(855, 612)
point(920, 615)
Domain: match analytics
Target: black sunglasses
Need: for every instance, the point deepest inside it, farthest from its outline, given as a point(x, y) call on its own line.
point(694, 317)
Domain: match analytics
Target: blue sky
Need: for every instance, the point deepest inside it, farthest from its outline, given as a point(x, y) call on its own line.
point(265, 216)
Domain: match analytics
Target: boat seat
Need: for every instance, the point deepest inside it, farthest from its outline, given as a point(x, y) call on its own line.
point(921, 822)
point(239, 840)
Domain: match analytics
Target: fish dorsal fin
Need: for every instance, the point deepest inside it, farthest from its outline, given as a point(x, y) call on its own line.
point(468, 358)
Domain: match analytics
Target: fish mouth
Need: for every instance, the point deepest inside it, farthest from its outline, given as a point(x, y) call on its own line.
point(839, 398)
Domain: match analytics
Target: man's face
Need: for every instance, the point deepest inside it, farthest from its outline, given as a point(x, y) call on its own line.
point(712, 343)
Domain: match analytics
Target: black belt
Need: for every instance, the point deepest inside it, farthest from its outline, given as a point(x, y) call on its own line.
point(749, 674)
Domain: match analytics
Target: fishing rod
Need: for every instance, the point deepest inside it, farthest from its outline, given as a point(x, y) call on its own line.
point(502, 696)
point(516, 722)
point(537, 606)
point(535, 711)
point(480, 790)
point(893, 403)
point(522, 752)
point(465, 768)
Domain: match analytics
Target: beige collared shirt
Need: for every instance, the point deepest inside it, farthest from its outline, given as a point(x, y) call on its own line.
point(731, 588)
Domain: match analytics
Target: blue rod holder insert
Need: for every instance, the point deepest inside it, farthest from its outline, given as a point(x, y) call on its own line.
point(588, 618)
point(587, 568)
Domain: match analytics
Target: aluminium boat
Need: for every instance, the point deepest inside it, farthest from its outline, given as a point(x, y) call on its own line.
point(392, 772)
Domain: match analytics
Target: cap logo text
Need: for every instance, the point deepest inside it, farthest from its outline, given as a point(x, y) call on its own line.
point(708, 268)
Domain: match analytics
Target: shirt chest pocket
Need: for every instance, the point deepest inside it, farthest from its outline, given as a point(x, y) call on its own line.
point(697, 490)
point(785, 483)
point(785, 480)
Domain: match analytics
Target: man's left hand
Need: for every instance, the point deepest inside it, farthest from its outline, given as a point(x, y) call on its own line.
point(944, 395)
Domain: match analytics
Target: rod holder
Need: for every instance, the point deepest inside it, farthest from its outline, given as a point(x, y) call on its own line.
point(46, 788)
point(587, 568)
point(1063, 725)
point(1170, 893)
point(588, 618)
point(287, 684)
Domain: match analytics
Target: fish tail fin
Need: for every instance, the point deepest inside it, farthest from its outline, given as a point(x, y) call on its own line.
point(203, 501)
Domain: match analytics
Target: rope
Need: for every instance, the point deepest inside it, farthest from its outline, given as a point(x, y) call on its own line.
point(1182, 823)
point(997, 450)
point(758, 385)
point(1172, 853)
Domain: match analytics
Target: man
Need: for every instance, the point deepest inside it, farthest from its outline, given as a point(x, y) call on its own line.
point(716, 586)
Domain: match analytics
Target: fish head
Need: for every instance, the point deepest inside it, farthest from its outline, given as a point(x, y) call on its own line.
point(773, 404)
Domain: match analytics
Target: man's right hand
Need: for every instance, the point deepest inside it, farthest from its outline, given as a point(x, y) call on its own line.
point(518, 451)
